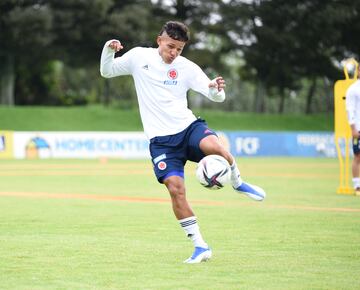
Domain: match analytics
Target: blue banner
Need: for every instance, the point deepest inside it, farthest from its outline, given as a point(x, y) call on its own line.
point(302, 144)
point(135, 144)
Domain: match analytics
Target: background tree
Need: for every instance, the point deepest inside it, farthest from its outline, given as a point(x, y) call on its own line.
point(284, 42)
point(35, 33)
point(25, 33)
point(274, 54)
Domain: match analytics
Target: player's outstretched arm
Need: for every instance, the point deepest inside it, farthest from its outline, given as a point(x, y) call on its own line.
point(216, 89)
point(107, 67)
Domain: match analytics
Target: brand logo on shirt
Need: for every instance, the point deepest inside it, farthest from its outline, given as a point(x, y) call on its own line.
point(146, 67)
point(172, 74)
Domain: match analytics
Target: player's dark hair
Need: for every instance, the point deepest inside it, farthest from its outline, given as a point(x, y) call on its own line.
point(176, 30)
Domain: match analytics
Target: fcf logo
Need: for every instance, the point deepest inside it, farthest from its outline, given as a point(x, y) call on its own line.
point(162, 165)
point(172, 74)
point(247, 145)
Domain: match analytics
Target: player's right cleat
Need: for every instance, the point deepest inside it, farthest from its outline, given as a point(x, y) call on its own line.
point(252, 191)
point(199, 255)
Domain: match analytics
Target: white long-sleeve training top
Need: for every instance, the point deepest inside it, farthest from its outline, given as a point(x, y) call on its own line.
point(353, 104)
point(161, 88)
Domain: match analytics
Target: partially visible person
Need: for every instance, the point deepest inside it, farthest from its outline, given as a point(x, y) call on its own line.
point(353, 114)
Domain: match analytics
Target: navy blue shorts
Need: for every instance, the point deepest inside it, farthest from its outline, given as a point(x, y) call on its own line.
point(170, 153)
point(356, 145)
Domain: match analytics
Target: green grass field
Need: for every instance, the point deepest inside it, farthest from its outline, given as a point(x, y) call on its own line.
point(91, 224)
point(98, 118)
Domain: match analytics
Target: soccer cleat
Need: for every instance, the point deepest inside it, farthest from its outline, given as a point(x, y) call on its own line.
point(252, 191)
point(199, 255)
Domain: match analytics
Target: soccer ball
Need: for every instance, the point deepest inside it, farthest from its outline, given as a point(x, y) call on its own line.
point(213, 171)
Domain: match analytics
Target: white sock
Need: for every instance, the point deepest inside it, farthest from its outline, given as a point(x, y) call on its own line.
point(236, 180)
point(192, 231)
point(356, 182)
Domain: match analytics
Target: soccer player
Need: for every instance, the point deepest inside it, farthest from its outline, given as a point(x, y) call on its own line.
point(162, 78)
point(353, 112)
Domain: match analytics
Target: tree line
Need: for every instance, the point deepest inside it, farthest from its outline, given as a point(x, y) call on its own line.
point(276, 55)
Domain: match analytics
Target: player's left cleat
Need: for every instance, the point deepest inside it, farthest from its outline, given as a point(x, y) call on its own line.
point(199, 255)
point(252, 191)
